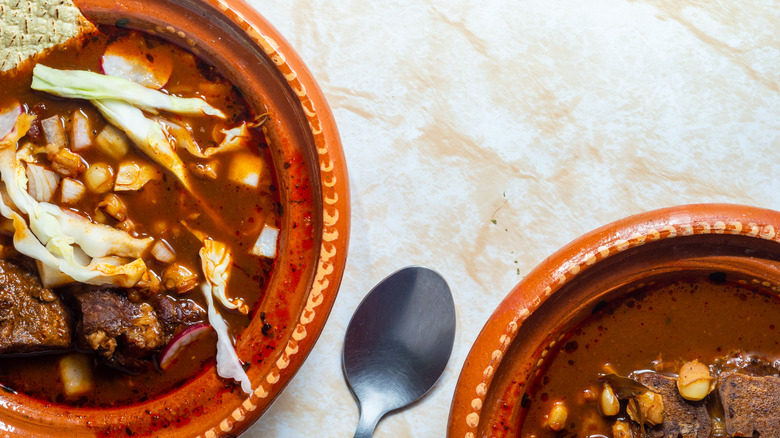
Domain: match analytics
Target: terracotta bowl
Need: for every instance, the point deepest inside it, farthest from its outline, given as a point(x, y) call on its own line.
point(315, 225)
point(673, 243)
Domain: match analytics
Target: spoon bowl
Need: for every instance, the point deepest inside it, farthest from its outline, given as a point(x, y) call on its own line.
point(398, 343)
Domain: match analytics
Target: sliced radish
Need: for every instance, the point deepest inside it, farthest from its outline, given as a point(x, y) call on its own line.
point(8, 119)
point(130, 58)
point(180, 342)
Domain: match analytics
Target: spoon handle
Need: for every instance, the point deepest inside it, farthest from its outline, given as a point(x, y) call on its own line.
point(369, 417)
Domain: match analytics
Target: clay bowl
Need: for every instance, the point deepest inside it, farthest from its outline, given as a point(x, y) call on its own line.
point(313, 185)
point(673, 243)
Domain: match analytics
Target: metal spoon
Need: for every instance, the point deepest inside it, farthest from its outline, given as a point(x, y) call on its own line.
point(398, 342)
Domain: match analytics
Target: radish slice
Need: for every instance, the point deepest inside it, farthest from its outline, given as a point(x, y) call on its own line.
point(8, 119)
point(179, 342)
point(131, 59)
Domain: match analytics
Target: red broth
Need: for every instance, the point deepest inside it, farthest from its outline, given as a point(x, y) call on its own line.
point(658, 326)
point(157, 210)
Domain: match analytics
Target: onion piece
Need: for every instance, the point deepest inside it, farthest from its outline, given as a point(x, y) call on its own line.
point(42, 182)
point(76, 373)
point(163, 252)
point(8, 119)
point(186, 337)
point(265, 246)
point(80, 131)
point(72, 191)
point(53, 277)
point(55, 132)
point(246, 169)
point(132, 59)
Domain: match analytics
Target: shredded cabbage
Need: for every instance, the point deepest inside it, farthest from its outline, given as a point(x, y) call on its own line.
point(215, 261)
point(82, 84)
point(44, 238)
point(99, 240)
point(144, 133)
point(236, 138)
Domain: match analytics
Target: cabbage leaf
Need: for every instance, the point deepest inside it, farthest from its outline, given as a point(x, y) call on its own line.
point(82, 84)
point(146, 134)
point(215, 261)
point(44, 239)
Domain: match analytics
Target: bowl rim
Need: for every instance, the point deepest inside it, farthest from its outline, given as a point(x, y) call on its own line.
point(323, 277)
point(334, 186)
point(501, 329)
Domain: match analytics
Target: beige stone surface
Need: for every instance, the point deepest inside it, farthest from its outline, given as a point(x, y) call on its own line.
point(481, 136)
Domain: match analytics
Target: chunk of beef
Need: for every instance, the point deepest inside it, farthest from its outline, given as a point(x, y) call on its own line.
point(127, 334)
point(177, 314)
point(32, 317)
point(682, 418)
point(751, 403)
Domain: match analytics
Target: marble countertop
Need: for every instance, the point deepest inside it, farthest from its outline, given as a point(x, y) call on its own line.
point(481, 136)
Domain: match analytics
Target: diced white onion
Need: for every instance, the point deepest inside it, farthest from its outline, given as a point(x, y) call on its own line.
point(265, 246)
point(55, 133)
point(42, 182)
point(246, 169)
point(80, 131)
point(76, 373)
point(163, 252)
point(72, 191)
point(52, 277)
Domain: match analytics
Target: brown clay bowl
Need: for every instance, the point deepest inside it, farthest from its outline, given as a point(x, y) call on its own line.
point(677, 242)
point(313, 185)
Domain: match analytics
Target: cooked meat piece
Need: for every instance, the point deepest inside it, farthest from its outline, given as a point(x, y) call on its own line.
point(682, 418)
point(176, 314)
point(32, 317)
point(751, 404)
point(125, 333)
